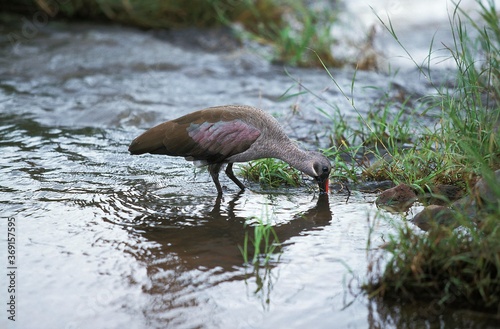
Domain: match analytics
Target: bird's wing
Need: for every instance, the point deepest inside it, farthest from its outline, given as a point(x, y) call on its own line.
point(208, 135)
point(210, 141)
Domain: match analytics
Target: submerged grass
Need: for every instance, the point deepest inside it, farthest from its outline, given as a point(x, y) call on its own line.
point(264, 242)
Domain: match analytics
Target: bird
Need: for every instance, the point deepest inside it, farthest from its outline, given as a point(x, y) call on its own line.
point(222, 135)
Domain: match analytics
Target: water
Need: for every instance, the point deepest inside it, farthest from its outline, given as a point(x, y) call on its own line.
point(110, 240)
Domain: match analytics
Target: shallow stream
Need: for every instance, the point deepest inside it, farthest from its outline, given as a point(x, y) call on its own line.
point(110, 240)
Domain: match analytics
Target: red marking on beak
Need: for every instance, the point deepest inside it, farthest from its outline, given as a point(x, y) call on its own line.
point(323, 184)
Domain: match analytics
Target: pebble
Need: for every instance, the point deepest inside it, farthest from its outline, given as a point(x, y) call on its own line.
point(399, 198)
point(435, 214)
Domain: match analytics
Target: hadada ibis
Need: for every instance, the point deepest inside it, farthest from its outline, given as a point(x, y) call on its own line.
point(226, 134)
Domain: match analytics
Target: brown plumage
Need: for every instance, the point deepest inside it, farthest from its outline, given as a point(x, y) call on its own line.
point(226, 134)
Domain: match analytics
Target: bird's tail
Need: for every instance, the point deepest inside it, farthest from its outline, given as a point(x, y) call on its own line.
point(151, 141)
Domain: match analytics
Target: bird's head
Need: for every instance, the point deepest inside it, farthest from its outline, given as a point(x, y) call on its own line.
point(321, 171)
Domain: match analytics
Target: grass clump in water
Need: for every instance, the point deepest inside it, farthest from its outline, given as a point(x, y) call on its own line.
point(271, 173)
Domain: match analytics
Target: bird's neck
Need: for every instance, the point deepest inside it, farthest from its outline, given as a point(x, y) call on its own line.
point(295, 157)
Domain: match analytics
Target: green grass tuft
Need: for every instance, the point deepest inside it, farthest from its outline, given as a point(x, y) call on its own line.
point(271, 173)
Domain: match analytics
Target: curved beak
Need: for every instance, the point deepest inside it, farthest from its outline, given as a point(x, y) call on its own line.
point(323, 183)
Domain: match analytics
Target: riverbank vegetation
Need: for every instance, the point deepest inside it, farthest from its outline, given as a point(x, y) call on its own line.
point(449, 265)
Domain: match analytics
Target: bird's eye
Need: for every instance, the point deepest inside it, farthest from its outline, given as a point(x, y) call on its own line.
point(325, 169)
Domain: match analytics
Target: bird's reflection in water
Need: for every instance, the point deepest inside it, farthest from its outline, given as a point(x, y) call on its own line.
point(193, 252)
point(215, 241)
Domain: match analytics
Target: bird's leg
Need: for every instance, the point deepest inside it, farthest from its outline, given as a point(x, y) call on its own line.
point(230, 174)
point(214, 169)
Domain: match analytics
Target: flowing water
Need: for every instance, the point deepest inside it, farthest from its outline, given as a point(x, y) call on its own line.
point(109, 240)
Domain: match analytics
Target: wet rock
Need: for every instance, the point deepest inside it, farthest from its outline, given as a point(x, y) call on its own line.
point(444, 194)
point(484, 191)
point(478, 204)
point(374, 187)
point(467, 206)
point(434, 214)
point(215, 40)
point(378, 170)
point(399, 198)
